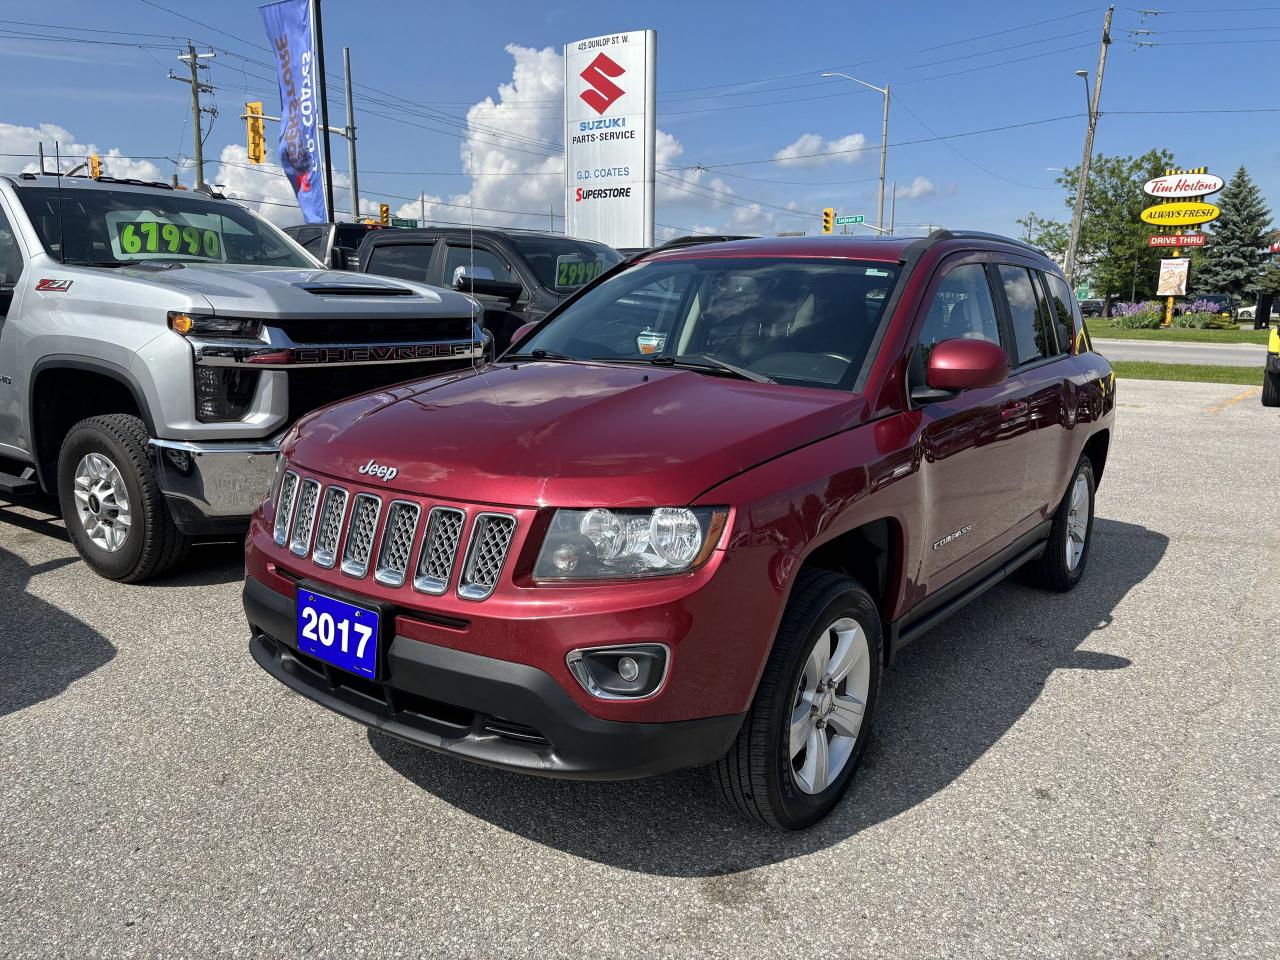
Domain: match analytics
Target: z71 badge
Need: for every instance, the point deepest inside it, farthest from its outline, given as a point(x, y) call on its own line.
point(47, 285)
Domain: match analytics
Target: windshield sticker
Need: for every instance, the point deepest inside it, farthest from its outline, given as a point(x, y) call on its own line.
point(137, 237)
point(572, 271)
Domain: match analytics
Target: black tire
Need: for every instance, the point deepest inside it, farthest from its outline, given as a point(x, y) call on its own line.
point(1271, 389)
point(1051, 570)
point(153, 545)
point(756, 776)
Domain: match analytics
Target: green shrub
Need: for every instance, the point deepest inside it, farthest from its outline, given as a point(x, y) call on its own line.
point(1203, 321)
point(1141, 320)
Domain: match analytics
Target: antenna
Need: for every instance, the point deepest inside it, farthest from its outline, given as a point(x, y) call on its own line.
point(62, 245)
point(471, 247)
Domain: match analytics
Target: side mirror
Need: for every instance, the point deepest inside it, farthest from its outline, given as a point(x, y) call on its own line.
point(338, 259)
point(498, 289)
point(962, 364)
point(522, 331)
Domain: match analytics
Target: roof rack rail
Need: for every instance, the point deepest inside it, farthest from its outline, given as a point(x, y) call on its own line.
point(942, 234)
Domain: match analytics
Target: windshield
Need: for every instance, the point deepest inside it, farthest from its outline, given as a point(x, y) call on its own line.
point(799, 322)
point(121, 226)
point(564, 264)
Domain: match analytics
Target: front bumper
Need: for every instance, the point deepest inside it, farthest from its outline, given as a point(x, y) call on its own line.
point(496, 712)
point(212, 487)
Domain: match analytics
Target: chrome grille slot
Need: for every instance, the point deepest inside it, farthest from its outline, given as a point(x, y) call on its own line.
point(329, 532)
point(397, 543)
point(439, 548)
point(304, 520)
point(490, 539)
point(360, 530)
point(284, 506)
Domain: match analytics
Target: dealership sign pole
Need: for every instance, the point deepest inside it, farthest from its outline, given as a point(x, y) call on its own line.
point(610, 116)
point(1182, 204)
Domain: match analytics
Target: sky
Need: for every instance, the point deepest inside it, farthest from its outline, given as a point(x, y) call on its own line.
point(459, 105)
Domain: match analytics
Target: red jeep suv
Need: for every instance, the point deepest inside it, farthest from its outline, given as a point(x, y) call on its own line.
point(692, 515)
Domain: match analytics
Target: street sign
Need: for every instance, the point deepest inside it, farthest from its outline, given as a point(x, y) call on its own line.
point(1176, 240)
point(843, 220)
point(403, 222)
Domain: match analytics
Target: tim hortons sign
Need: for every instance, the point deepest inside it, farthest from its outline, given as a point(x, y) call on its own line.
point(1179, 185)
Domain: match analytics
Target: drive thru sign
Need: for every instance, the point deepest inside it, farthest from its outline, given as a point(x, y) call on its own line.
point(610, 114)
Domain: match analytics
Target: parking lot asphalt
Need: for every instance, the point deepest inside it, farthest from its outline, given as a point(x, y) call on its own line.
point(1087, 775)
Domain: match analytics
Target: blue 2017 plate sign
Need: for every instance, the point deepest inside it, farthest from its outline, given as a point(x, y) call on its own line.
point(339, 633)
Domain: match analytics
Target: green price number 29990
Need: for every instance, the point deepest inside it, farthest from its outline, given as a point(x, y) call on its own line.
point(153, 236)
point(575, 273)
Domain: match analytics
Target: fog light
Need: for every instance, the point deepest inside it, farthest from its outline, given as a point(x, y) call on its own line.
point(620, 673)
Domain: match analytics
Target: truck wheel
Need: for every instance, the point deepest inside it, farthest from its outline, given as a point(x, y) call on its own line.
point(809, 722)
point(1271, 389)
point(1065, 555)
point(112, 505)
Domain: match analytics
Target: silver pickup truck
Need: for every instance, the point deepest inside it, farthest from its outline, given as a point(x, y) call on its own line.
point(155, 343)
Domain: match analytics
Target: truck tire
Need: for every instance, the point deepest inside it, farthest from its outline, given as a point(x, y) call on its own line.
point(114, 510)
point(1066, 553)
point(1271, 389)
point(803, 735)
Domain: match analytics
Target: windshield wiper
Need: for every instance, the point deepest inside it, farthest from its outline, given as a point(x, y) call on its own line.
point(703, 361)
point(97, 263)
point(539, 354)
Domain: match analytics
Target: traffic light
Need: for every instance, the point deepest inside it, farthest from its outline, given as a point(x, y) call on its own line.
point(828, 219)
point(257, 138)
point(384, 214)
point(95, 166)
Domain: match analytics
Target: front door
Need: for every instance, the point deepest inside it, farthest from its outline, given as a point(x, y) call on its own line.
point(13, 379)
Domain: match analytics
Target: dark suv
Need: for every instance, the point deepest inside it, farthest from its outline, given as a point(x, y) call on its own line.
point(517, 275)
point(692, 516)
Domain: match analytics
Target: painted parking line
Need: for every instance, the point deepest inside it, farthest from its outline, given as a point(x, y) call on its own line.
point(1243, 395)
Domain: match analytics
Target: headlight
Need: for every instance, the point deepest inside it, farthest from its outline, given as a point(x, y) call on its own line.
point(195, 325)
point(602, 544)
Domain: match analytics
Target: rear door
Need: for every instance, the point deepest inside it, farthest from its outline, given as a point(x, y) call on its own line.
point(973, 465)
point(1042, 373)
point(406, 261)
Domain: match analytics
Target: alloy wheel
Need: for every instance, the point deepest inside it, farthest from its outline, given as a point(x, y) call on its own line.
point(102, 502)
point(829, 704)
point(1077, 521)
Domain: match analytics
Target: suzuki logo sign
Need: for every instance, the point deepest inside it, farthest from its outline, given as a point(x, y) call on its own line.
point(604, 92)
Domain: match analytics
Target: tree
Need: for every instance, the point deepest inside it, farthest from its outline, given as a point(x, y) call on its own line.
point(1233, 260)
point(1051, 236)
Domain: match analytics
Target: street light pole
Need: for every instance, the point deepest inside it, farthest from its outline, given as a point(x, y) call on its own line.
point(884, 139)
point(1073, 244)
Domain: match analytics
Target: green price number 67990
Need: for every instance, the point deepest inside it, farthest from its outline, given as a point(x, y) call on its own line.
point(153, 236)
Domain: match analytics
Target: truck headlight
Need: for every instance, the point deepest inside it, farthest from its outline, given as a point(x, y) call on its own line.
point(197, 325)
point(603, 544)
point(224, 393)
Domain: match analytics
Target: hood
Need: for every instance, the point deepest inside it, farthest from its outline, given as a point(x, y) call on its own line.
point(240, 290)
point(568, 434)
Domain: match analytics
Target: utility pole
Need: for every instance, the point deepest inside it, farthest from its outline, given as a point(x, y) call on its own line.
point(893, 208)
point(1082, 184)
point(324, 110)
point(198, 86)
point(351, 137)
point(884, 140)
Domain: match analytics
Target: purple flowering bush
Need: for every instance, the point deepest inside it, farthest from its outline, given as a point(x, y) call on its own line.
point(1146, 315)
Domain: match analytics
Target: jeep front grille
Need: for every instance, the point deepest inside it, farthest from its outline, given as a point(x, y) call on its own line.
point(360, 530)
point(397, 543)
point(490, 539)
point(284, 506)
point(439, 549)
point(304, 520)
point(325, 553)
point(313, 517)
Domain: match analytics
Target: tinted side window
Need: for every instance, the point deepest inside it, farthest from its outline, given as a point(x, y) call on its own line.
point(961, 309)
point(408, 261)
point(1055, 341)
point(1026, 311)
point(10, 255)
point(464, 256)
point(1068, 312)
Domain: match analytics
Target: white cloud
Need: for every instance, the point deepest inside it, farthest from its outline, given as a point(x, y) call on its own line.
point(811, 150)
point(25, 141)
point(918, 188)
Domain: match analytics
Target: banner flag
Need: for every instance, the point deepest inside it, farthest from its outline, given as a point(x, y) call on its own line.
point(291, 32)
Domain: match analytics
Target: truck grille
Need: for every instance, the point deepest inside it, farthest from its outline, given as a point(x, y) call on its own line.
point(305, 508)
point(382, 330)
point(397, 543)
point(439, 548)
point(312, 389)
point(490, 539)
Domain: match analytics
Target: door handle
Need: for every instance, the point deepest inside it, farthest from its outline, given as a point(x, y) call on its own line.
point(1014, 408)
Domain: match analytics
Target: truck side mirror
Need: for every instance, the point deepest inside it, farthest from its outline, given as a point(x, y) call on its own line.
point(338, 259)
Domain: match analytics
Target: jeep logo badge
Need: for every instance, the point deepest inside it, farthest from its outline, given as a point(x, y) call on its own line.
point(374, 469)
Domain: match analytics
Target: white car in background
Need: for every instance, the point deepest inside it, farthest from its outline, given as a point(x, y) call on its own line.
point(1250, 312)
